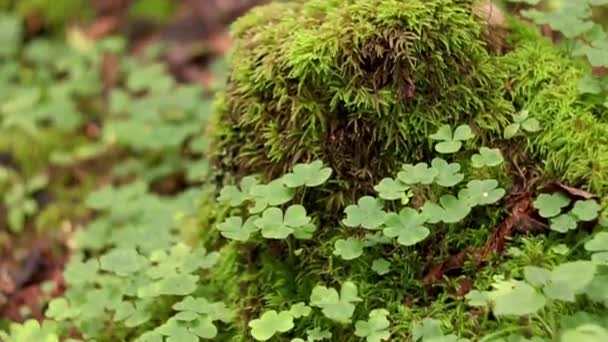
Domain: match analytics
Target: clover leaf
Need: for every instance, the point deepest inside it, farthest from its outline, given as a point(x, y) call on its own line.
point(234, 196)
point(31, 331)
point(367, 213)
point(275, 225)
point(586, 210)
point(521, 120)
point(381, 266)
point(487, 157)
point(234, 229)
point(123, 261)
point(390, 189)
point(563, 223)
point(376, 328)
point(427, 330)
point(309, 175)
point(317, 334)
point(509, 298)
point(271, 323)
point(570, 279)
point(450, 210)
point(451, 142)
point(599, 246)
point(447, 174)
point(339, 308)
point(348, 249)
point(300, 310)
point(271, 194)
point(419, 174)
point(408, 226)
point(550, 205)
point(482, 192)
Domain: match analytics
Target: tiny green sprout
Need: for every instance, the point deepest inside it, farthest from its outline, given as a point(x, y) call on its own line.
point(521, 121)
point(271, 323)
point(563, 223)
point(599, 247)
point(381, 266)
point(550, 205)
point(367, 213)
point(451, 142)
point(233, 196)
point(482, 192)
point(339, 308)
point(348, 249)
point(123, 261)
point(390, 189)
point(271, 194)
point(376, 328)
point(487, 158)
point(587, 210)
point(408, 227)
point(234, 229)
point(419, 174)
point(309, 175)
point(450, 210)
point(447, 174)
point(300, 310)
point(275, 225)
point(509, 298)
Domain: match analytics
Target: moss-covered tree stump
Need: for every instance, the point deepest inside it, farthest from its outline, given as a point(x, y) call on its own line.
point(361, 85)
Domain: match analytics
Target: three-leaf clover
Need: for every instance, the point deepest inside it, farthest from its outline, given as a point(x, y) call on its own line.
point(234, 196)
point(376, 328)
point(300, 310)
point(451, 142)
point(487, 157)
point(522, 121)
point(447, 174)
point(408, 227)
point(482, 192)
point(586, 210)
point(419, 174)
point(348, 249)
point(123, 261)
point(339, 308)
point(367, 213)
point(271, 323)
point(271, 194)
point(563, 223)
point(390, 189)
point(275, 225)
point(381, 266)
point(310, 175)
point(450, 210)
point(550, 205)
point(233, 228)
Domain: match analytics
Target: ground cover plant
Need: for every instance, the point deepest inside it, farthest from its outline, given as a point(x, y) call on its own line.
point(367, 171)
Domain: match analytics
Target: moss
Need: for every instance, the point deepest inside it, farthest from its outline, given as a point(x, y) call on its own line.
point(358, 84)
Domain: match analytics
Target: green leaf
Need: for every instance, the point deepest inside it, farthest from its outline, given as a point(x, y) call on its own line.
point(447, 174)
point(272, 194)
point(589, 85)
point(376, 328)
point(59, 309)
point(408, 227)
point(348, 249)
point(448, 147)
point(515, 298)
point(271, 323)
point(300, 310)
point(419, 174)
point(276, 226)
point(339, 308)
point(531, 125)
point(381, 266)
point(390, 189)
point(599, 243)
point(463, 132)
point(443, 134)
point(451, 143)
point(123, 261)
point(537, 276)
point(585, 333)
point(80, 273)
point(31, 331)
point(550, 205)
point(511, 130)
point(427, 330)
point(317, 334)
point(487, 157)
point(570, 279)
point(563, 223)
point(234, 229)
point(482, 192)
point(586, 210)
point(450, 210)
point(204, 328)
point(367, 213)
point(310, 175)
